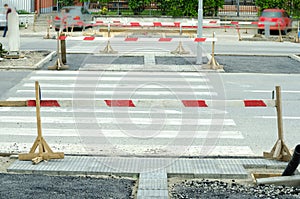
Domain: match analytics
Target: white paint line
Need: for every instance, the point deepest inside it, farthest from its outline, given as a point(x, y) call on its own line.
point(131, 121)
point(275, 117)
point(151, 79)
point(270, 91)
point(103, 85)
point(130, 111)
point(107, 73)
point(134, 93)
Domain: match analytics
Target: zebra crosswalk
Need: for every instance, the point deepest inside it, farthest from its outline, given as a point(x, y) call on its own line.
point(171, 131)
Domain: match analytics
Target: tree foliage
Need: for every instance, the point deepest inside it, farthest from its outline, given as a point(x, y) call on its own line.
point(263, 4)
point(188, 7)
point(291, 6)
point(63, 3)
point(138, 6)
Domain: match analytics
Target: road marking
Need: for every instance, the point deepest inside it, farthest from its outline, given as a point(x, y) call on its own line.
point(117, 92)
point(129, 120)
point(86, 78)
point(269, 91)
point(119, 86)
point(275, 117)
point(107, 73)
point(130, 111)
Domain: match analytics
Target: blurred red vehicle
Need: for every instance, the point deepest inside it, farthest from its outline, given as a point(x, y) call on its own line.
point(278, 19)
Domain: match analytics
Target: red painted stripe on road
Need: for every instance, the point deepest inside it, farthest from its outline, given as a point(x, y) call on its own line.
point(165, 39)
point(47, 103)
point(88, 38)
point(254, 103)
point(131, 39)
point(200, 39)
point(119, 103)
point(194, 103)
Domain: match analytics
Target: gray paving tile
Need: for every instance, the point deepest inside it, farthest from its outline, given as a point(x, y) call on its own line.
point(153, 184)
point(149, 168)
point(181, 166)
point(152, 193)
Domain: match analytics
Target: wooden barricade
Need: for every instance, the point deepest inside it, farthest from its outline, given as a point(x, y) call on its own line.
point(44, 151)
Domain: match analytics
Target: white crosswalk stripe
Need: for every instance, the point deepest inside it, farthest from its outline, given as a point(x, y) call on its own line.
point(177, 131)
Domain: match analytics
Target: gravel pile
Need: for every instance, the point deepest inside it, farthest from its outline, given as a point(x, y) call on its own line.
point(42, 186)
point(219, 189)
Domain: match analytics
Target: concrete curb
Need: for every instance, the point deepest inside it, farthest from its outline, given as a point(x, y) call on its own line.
point(34, 67)
point(295, 57)
point(49, 57)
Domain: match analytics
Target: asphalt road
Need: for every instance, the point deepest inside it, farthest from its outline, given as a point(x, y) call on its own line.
point(10, 79)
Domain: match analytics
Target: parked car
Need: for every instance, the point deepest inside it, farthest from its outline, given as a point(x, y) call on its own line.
point(279, 19)
point(73, 16)
point(2, 17)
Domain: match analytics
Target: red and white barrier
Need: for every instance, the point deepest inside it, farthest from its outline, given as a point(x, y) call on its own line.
point(136, 39)
point(207, 23)
point(155, 103)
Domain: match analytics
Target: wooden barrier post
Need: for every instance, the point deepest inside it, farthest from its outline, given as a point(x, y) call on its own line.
point(44, 151)
point(34, 21)
point(59, 65)
point(48, 29)
point(63, 51)
point(239, 33)
point(280, 35)
point(212, 63)
point(108, 49)
point(180, 50)
point(280, 151)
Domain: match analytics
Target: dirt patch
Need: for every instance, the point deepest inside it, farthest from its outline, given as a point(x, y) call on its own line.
point(29, 60)
point(5, 162)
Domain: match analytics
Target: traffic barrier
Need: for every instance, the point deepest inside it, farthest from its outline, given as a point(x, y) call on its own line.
point(61, 55)
point(44, 151)
point(108, 49)
point(212, 63)
point(135, 39)
point(279, 151)
point(141, 103)
point(179, 49)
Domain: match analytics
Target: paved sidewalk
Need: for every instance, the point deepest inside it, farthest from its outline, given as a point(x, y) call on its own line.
point(152, 172)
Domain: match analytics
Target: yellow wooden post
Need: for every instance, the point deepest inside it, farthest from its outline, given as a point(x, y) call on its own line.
point(44, 151)
point(279, 151)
